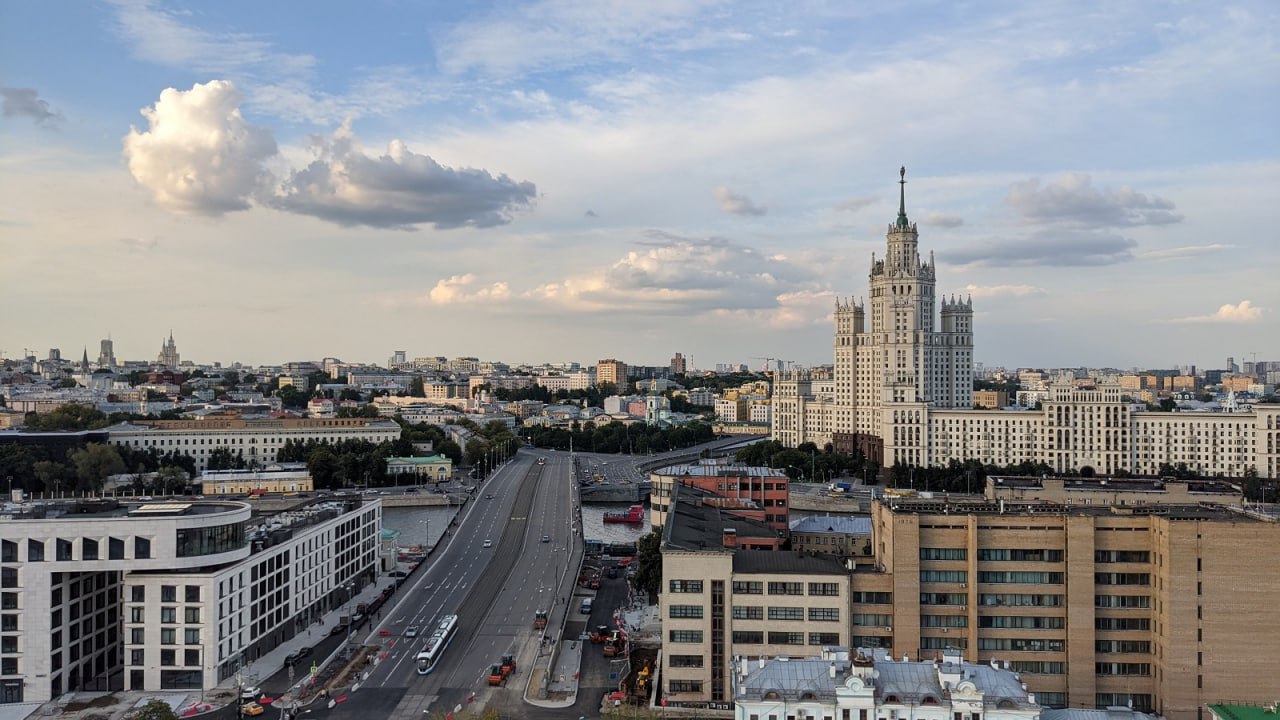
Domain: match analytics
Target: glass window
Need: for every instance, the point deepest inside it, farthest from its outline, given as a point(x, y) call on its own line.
point(35, 551)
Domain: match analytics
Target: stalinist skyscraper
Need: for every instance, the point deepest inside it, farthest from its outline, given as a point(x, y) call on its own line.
point(905, 360)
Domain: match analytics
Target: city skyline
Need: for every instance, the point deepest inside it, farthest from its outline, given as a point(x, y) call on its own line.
point(657, 178)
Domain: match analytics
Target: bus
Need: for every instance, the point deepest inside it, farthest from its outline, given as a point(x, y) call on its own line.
point(436, 644)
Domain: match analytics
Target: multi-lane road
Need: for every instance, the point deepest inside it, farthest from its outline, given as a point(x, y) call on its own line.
point(494, 571)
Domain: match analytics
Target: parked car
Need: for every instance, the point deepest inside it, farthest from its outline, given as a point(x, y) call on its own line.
point(250, 692)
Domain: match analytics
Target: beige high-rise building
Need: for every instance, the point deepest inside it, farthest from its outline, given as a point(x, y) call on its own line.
point(611, 371)
point(1163, 606)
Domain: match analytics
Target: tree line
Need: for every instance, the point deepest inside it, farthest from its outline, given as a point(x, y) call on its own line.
point(619, 437)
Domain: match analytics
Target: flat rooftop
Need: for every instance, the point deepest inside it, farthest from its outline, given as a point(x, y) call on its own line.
point(1110, 484)
point(695, 522)
point(113, 508)
point(1202, 511)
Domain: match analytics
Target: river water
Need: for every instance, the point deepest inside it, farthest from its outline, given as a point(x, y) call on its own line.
point(425, 525)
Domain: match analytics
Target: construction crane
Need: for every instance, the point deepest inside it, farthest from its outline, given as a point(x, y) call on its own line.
point(768, 361)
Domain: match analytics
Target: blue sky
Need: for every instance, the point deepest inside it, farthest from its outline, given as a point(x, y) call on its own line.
point(578, 180)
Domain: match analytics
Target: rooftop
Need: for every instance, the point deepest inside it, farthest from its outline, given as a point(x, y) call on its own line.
point(1244, 712)
point(841, 524)
point(1109, 484)
point(712, 468)
point(770, 562)
point(696, 523)
point(1201, 511)
point(97, 508)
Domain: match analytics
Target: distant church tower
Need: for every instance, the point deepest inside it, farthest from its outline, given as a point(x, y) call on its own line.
point(168, 353)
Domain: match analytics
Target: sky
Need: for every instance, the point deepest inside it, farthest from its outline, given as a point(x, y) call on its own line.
point(572, 181)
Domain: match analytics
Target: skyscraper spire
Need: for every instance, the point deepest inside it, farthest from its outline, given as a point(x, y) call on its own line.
point(902, 197)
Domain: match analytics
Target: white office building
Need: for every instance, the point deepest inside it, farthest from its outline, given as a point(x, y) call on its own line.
point(104, 595)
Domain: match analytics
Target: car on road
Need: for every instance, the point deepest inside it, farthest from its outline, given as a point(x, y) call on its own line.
point(250, 692)
point(488, 543)
point(293, 657)
point(338, 629)
point(252, 709)
point(146, 498)
point(489, 496)
point(546, 538)
point(411, 631)
point(612, 573)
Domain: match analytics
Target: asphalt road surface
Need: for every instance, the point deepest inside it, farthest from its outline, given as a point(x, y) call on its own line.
point(494, 590)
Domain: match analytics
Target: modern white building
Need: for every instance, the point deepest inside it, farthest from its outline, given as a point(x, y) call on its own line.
point(835, 686)
point(166, 596)
point(256, 439)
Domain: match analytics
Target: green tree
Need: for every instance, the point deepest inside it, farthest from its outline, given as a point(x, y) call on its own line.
point(52, 475)
point(154, 710)
point(291, 397)
point(67, 417)
point(169, 480)
point(93, 464)
point(222, 458)
point(322, 463)
point(649, 564)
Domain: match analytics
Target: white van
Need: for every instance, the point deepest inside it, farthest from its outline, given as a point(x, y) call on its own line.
point(586, 607)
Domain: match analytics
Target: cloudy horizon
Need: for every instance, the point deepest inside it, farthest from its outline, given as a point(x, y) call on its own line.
point(550, 182)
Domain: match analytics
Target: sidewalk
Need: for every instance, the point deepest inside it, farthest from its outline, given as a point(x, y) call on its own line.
point(272, 662)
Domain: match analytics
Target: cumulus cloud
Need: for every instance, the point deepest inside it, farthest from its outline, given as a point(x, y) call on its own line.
point(26, 102)
point(457, 289)
point(398, 189)
point(198, 155)
point(1243, 312)
point(944, 220)
point(986, 291)
point(1064, 248)
point(792, 309)
point(736, 204)
point(854, 204)
point(679, 275)
point(1073, 201)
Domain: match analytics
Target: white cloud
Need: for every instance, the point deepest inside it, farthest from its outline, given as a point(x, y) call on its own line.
point(681, 275)
point(1185, 252)
point(1051, 248)
point(1243, 312)
point(1073, 201)
point(736, 204)
point(399, 189)
point(456, 289)
point(198, 155)
point(986, 291)
point(944, 220)
point(160, 36)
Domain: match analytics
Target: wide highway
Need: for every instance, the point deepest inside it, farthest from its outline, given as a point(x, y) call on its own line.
point(494, 590)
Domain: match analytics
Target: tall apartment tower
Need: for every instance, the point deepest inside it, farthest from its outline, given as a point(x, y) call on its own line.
point(905, 360)
point(612, 371)
point(107, 354)
point(678, 365)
